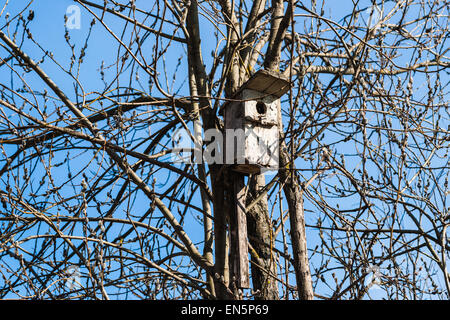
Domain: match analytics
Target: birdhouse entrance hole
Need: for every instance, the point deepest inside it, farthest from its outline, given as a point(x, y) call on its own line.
point(261, 107)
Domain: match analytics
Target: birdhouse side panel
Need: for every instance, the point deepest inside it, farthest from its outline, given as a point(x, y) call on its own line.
point(234, 134)
point(233, 116)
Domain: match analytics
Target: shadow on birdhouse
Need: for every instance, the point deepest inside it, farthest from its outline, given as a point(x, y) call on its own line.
point(252, 122)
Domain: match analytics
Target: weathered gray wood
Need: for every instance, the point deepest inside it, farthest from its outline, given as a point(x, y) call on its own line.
point(258, 148)
point(268, 82)
point(261, 143)
point(238, 233)
point(264, 81)
point(252, 124)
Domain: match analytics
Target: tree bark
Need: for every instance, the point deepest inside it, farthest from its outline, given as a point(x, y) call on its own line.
point(221, 270)
point(279, 24)
point(294, 199)
point(260, 233)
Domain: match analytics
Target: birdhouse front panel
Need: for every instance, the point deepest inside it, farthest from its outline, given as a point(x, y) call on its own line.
point(259, 108)
point(252, 131)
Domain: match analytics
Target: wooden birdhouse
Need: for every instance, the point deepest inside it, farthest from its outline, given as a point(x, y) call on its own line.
point(252, 120)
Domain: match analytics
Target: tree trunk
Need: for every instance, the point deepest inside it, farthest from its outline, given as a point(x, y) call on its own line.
point(221, 271)
point(294, 199)
point(260, 233)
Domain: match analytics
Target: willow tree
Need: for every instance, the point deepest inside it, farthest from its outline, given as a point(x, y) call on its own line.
point(93, 94)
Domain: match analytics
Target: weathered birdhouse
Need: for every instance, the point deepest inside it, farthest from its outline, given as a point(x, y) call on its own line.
point(252, 120)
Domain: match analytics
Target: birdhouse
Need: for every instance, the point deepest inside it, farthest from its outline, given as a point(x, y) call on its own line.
point(252, 119)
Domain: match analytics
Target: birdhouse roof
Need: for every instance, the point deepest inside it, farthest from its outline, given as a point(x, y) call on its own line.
point(265, 81)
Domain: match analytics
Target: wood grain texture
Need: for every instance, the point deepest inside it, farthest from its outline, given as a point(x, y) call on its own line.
point(238, 232)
